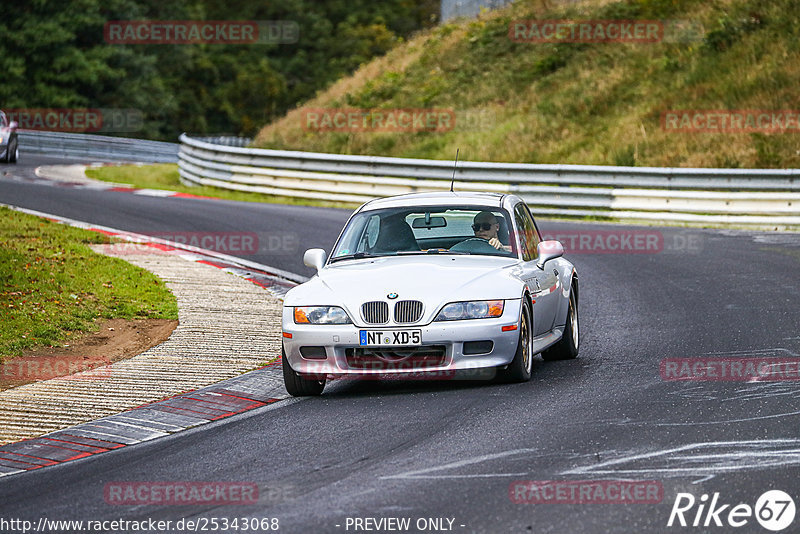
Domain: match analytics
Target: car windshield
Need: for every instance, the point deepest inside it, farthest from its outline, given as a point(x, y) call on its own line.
point(473, 230)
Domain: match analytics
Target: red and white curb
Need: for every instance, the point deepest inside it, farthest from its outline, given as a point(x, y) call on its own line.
point(244, 393)
point(80, 181)
point(227, 398)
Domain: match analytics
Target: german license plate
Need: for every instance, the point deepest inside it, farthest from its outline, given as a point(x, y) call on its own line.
point(388, 338)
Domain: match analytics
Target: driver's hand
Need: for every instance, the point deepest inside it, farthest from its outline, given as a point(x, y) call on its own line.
point(498, 245)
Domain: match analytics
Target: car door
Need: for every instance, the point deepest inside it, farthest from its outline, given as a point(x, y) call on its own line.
point(544, 284)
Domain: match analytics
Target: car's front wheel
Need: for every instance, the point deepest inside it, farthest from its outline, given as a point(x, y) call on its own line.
point(296, 384)
point(14, 154)
point(11, 152)
point(519, 370)
point(567, 347)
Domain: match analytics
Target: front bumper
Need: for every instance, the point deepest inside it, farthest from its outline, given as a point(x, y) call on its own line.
point(339, 342)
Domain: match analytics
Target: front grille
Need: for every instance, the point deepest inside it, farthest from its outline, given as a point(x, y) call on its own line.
point(375, 312)
point(407, 311)
point(387, 359)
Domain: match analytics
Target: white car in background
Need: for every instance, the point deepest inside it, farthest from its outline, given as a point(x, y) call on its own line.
point(9, 141)
point(414, 286)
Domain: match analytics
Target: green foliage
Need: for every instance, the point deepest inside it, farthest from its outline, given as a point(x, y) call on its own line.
point(377, 91)
point(766, 152)
point(53, 55)
point(583, 103)
point(553, 61)
point(625, 157)
point(730, 30)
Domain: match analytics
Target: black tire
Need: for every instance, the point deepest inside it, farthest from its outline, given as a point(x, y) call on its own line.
point(12, 154)
point(296, 384)
point(567, 347)
point(520, 368)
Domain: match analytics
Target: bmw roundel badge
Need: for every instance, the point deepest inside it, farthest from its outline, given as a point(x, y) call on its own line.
point(392, 295)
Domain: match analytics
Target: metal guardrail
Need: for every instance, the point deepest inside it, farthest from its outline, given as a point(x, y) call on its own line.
point(739, 196)
point(95, 147)
point(225, 140)
point(451, 9)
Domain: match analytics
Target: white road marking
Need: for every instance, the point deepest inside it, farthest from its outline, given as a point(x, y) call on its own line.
point(421, 473)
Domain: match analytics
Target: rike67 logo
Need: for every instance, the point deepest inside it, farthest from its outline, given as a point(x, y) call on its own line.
point(774, 510)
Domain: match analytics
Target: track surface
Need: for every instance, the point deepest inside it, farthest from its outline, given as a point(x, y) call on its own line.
point(283, 232)
point(451, 450)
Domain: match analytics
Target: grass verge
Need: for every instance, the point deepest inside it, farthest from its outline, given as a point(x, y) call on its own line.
point(165, 176)
point(53, 286)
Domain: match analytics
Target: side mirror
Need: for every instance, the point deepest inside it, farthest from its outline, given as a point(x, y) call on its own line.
point(549, 250)
point(314, 257)
point(13, 125)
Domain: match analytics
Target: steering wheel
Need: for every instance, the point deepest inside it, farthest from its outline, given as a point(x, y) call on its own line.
point(474, 244)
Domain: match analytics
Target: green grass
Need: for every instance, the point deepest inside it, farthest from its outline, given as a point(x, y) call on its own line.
point(165, 176)
point(53, 286)
point(578, 103)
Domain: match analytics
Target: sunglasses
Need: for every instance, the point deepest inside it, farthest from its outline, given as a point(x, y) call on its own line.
point(484, 226)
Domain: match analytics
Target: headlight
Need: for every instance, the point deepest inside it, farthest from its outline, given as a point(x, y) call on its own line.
point(320, 315)
point(474, 309)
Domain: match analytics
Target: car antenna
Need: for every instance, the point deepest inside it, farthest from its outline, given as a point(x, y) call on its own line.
point(454, 172)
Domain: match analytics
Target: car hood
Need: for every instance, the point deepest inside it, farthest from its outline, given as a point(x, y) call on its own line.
point(434, 280)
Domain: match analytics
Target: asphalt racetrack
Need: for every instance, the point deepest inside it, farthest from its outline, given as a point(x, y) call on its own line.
point(454, 456)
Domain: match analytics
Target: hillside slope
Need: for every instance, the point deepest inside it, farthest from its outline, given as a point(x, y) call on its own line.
point(581, 103)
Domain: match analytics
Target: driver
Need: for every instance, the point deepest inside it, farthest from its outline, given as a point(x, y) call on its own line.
point(485, 226)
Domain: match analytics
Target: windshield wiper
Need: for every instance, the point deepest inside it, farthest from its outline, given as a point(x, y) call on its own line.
point(447, 251)
point(431, 251)
point(356, 256)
